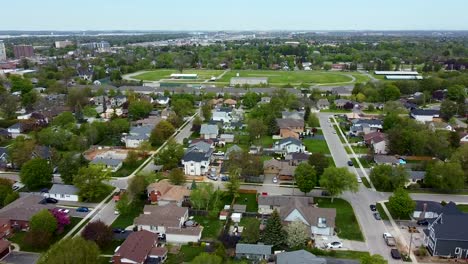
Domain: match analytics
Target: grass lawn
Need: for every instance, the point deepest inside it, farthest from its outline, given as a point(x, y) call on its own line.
point(211, 226)
point(346, 222)
point(365, 182)
point(249, 199)
point(360, 150)
point(393, 214)
point(316, 146)
point(342, 254)
point(190, 252)
point(463, 207)
point(157, 75)
point(381, 211)
point(123, 221)
point(363, 161)
point(335, 111)
point(127, 169)
point(18, 237)
point(265, 141)
point(291, 77)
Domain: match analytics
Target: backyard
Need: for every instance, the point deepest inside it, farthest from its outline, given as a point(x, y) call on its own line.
point(211, 226)
point(249, 199)
point(316, 145)
point(346, 222)
point(125, 220)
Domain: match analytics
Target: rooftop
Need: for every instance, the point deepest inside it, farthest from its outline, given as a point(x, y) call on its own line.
point(63, 189)
point(255, 249)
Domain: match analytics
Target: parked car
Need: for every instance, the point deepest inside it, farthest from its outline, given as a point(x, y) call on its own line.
point(423, 222)
point(44, 190)
point(275, 180)
point(16, 186)
point(395, 253)
point(350, 163)
point(325, 193)
point(63, 210)
point(377, 216)
point(213, 177)
point(373, 207)
point(224, 178)
point(118, 230)
point(335, 244)
point(389, 239)
point(51, 200)
point(82, 209)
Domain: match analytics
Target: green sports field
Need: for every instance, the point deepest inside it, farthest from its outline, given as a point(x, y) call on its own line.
point(274, 77)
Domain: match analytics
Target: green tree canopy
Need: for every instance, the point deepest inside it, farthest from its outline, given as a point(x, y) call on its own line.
point(64, 119)
point(170, 156)
point(274, 233)
point(72, 251)
point(177, 176)
point(36, 173)
point(44, 221)
point(207, 258)
point(388, 178)
point(446, 176)
point(338, 180)
point(138, 109)
point(319, 161)
point(305, 177)
point(297, 234)
point(161, 133)
point(90, 180)
point(400, 203)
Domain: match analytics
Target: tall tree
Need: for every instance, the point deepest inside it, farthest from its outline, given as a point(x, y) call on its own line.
point(98, 232)
point(20, 150)
point(177, 176)
point(43, 220)
point(313, 121)
point(297, 234)
point(69, 165)
point(373, 259)
point(448, 109)
point(400, 203)
point(256, 129)
point(170, 156)
point(71, 251)
point(445, 176)
point(233, 185)
point(388, 178)
point(319, 161)
point(206, 111)
point(305, 177)
point(90, 181)
point(36, 173)
point(139, 109)
point(274, 233)
point(461, 156)
point(338, 180)
point(207, 258)
point(202, 196)
point(161, 133)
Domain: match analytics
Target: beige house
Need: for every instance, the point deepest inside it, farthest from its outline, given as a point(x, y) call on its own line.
point(163, 193)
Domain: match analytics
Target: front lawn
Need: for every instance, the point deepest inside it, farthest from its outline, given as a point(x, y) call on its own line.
point(342, 254)
point(364, 162)
point(346, 223)
point(316, 146)
point(125, 220)
point(211, 226)
point(249, 199)
point(395, 218)
point(128, 169)
point(381, 211)
point(365, 182)
point(463, 207)
point(19, 236)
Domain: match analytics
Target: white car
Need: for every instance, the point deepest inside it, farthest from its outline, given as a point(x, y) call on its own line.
point(275, 180)
point(63, 210)
point(334, 244)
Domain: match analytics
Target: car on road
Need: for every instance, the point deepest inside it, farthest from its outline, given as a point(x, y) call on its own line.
point(224, 178)
point(395, 253)
point(335, 244)
point(82, 209)
point(423, 222)
point(16, 186)
point(377, 216)
point(334, 132)
point(350, 163)
point(389, 239)
point(51, 200)
point(116, 212)
point(373, 207)
point(63, 210)
point(212, 177)
point(118, 230)
point(275, 180)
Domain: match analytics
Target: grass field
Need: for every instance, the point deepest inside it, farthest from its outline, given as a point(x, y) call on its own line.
point(274, 77)
point(157, 75)
point(249, 199)
point(316, 146)
point(211, 226)
point(346, 222)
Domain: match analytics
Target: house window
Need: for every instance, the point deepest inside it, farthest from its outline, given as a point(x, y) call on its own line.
point(62, 195)
point(458, 251)
point(322, 222)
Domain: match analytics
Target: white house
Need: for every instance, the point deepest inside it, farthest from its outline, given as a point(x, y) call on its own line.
point(221, 115)
point(424, 115)
point(209, 131)
point(464, 138)
point(169, 220)
point(289, 145)
point(162, 100)
point(63, 192)
point(137, 135)
point(15, 130)
point(196, 162)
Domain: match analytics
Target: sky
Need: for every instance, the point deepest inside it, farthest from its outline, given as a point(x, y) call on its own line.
point(191, 15)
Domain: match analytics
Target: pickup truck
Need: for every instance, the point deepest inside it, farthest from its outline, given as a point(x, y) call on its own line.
point(389, 239)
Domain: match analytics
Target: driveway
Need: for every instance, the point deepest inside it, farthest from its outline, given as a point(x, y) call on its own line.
point(122, 236)
point(19, 257)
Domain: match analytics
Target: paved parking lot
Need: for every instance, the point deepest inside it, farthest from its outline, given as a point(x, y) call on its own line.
point(19, 257)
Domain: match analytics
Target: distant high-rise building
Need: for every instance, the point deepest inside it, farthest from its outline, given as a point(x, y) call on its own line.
point(23, 51)
point(63, 44)
point(2, 51)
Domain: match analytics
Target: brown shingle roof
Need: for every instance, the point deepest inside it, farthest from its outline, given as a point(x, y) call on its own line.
point(24, 208)
point(4, 244)
point(168, 215)
point(158, 252)
point(168, 191)
point(190, 231)
point(137, 246)
point(289, 122)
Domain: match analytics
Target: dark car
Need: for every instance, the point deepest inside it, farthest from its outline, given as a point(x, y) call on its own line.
point(423, 222)
point(395, 253)
point(118, 230)
point(377, 216)
point(325, 193)
point(373, 207)
point(350, 163)
point(51, 200)
point(224, 178)
point(82, 209)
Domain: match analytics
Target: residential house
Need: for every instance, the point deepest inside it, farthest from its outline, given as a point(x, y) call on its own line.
point(321, 221)
point(343, 103)
point(415, 176)
point(163, 193)
point(440, 126)
point(63, 192)
point(111, 112)
point(386, 159)
point(265, 100)
point(209, 131)
point(287, 173)
point(15, 130)
point(342, 90)
point(168, 220)
point(432, 210)
point(232, 149)
point(424, 115)
point(4, 159)
point(230, 102)
point(288, 145)
point(138, 248)
point(137, 135)
point(290, 127)
point(118, 100)
point(110, 164)
point(5, 228)
point(162, 100)
point(292, 115)
point(365, 126)
point(323, 104)
point(20, 211)
point(222, 114)
point(197, 158)
point(42, 152)
point(5, 248)
point(273, 166)
point(296, 158)
point(255, 252)
point(299, 257)
point(464, 138)
point(447, 236)
point(377, 141)
point(226, 138)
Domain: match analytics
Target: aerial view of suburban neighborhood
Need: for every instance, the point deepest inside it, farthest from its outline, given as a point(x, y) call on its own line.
point(225, 142)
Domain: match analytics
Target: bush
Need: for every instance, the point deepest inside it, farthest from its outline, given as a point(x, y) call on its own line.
point(39, 239)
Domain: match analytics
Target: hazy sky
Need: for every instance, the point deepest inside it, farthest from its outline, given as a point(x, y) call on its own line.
point(233, 15)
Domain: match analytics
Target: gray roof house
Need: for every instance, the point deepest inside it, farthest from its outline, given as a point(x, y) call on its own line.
point(109, 163)
point(209, 131)
point(323, 104)
point(63, 192)
point(299, 257)
point(292, 115)
point(288, 145)
point(253, 251)
point(197, 159)
point(231, 149)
